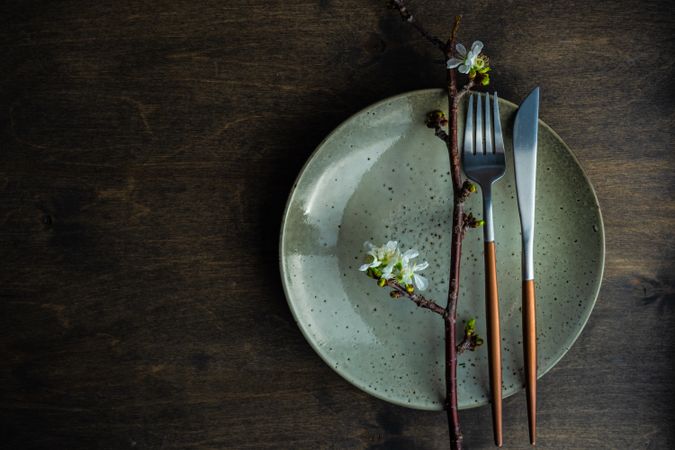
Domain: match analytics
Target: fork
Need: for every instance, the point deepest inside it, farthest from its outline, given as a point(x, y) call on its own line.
point(485, 164)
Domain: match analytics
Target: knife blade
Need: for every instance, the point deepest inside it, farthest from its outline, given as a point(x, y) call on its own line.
point(525, 162)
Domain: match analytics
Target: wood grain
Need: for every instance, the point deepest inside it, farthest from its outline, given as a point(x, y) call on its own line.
point(146, 152)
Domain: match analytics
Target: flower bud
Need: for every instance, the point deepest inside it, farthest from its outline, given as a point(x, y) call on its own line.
point(467, 189)
point(470, 327)
point(381, 282)
point(409, 288)
point(395, 294)
point(436, 119)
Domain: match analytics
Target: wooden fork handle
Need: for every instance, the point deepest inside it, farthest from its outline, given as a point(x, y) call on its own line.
point(494, 340)
point(530, 348)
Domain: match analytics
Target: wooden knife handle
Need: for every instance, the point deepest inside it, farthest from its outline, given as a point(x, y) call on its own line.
point(494, 340)
point(530, 348)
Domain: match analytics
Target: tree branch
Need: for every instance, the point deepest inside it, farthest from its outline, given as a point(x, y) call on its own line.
point(399, 5)
point(419, 300)
point(441, 134)
point(461, 190)
point(467, 87)
point(451, 406)
point(455, 169)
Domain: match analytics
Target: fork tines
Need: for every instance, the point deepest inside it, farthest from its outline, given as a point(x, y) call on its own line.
point(479, 139)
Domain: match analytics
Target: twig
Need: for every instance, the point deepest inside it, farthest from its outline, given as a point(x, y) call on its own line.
point(419, 300)
point(441, 134)
point(467, 87)
point(458, 229)
point(460, 221)
point(408, 17)
point(470, 340)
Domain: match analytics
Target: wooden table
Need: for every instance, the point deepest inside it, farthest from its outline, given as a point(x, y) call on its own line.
point(147, 150)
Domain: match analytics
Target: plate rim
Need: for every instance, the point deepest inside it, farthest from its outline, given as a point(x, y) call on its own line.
point(339, 370)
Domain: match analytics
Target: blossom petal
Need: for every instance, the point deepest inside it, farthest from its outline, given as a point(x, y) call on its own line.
point(405, 275)
point(364, 267)
point(410, 254)
point(388, 272)
point(419, 267)
point(368, 245)
point(391, 245)
point(421, 282)
point(477, 47)
point(454, 62)
point(464, 68)
point(461, 49)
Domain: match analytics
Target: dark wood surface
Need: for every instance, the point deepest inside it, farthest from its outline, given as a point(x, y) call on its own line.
point(147, 149)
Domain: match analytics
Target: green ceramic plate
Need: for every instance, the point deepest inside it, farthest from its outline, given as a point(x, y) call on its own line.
point(383, 175)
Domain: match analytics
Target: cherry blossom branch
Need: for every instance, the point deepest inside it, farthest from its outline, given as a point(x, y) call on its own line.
point(467, 87)
point(470, 341)
point(399, 5)
point(421, 301)
point(458, 229)
point(460, 221)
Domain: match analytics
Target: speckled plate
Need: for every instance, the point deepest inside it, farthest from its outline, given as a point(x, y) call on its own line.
point(383, 175)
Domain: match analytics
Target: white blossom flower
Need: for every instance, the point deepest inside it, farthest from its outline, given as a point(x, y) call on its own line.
point(380, 255)
point(387, 262)
point(468, 59)
point(397, 262)
point(388, 271)
point(408, 255)
point(409, 275)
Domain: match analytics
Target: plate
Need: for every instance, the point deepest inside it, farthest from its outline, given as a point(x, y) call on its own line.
point(383, 175)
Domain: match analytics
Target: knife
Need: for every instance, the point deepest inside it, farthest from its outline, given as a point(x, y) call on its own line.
point(525, 162)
